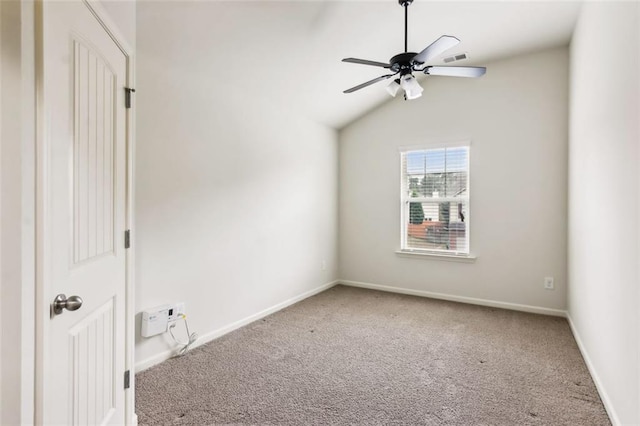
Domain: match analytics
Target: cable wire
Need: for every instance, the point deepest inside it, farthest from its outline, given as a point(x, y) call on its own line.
point(192, 337)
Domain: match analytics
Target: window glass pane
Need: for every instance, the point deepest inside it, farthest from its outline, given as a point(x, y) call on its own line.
point(411, 172)
point(456, 172)
point(437, 226)
point(436, 173)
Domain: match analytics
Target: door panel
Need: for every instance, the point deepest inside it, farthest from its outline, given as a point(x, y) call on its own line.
point(93, 174)
point(83, 210)
point(92, 348)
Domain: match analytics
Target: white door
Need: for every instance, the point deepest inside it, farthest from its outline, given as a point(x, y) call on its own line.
point(83, 171)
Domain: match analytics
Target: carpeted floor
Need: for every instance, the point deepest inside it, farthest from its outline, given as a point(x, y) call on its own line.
point(353, 356)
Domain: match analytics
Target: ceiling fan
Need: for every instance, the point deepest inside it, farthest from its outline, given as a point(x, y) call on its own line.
point(408, 62)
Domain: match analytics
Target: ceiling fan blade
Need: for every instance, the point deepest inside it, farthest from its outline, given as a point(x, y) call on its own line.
point(366, 62)
point(368, 83)
point(436, 48)
point(456, 71)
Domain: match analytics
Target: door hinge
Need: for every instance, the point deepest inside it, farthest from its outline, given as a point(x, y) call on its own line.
point(127, 238)
point(127, 379)
point(127, 96)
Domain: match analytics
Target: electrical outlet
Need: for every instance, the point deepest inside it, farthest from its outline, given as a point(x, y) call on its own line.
point(323, 265)
point(548, 283)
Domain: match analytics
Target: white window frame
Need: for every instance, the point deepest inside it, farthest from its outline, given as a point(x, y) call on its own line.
point(405, 200)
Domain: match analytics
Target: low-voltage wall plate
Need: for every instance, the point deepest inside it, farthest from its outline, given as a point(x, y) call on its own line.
point(156, 320)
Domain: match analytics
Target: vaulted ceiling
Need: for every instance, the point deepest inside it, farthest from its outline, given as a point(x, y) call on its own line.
point(290, 51)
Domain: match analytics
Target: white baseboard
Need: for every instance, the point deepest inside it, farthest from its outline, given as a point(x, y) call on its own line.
point(462, 299)
point(212, 335)
point(604, 396)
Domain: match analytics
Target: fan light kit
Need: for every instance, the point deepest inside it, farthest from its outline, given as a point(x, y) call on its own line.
point(408, 62)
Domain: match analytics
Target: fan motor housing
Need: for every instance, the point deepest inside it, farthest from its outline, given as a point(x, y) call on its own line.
point(402, 61)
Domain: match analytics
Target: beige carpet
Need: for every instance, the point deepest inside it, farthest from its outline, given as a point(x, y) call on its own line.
point(353, 356)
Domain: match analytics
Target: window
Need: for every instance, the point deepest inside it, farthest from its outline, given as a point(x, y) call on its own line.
point(435, 200)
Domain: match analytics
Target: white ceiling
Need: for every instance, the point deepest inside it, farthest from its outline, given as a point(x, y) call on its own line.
point(290, 52)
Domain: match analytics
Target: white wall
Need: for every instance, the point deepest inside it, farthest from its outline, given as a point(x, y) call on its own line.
point(1, 215)
point(236, 193)
point(604, 219)
point(123, 15)
point(516, 119)
point(11, 212)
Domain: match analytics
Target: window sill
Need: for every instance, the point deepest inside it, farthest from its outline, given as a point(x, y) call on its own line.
point(467, 258)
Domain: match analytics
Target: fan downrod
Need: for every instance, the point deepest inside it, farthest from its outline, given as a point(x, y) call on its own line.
point(405, 4)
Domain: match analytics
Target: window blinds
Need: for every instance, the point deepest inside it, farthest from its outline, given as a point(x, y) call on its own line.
point(435, 200)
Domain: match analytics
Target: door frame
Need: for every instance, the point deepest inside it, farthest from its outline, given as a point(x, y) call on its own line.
point(42, 233)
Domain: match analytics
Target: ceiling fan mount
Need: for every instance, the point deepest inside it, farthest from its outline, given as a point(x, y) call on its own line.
point(407, 62)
